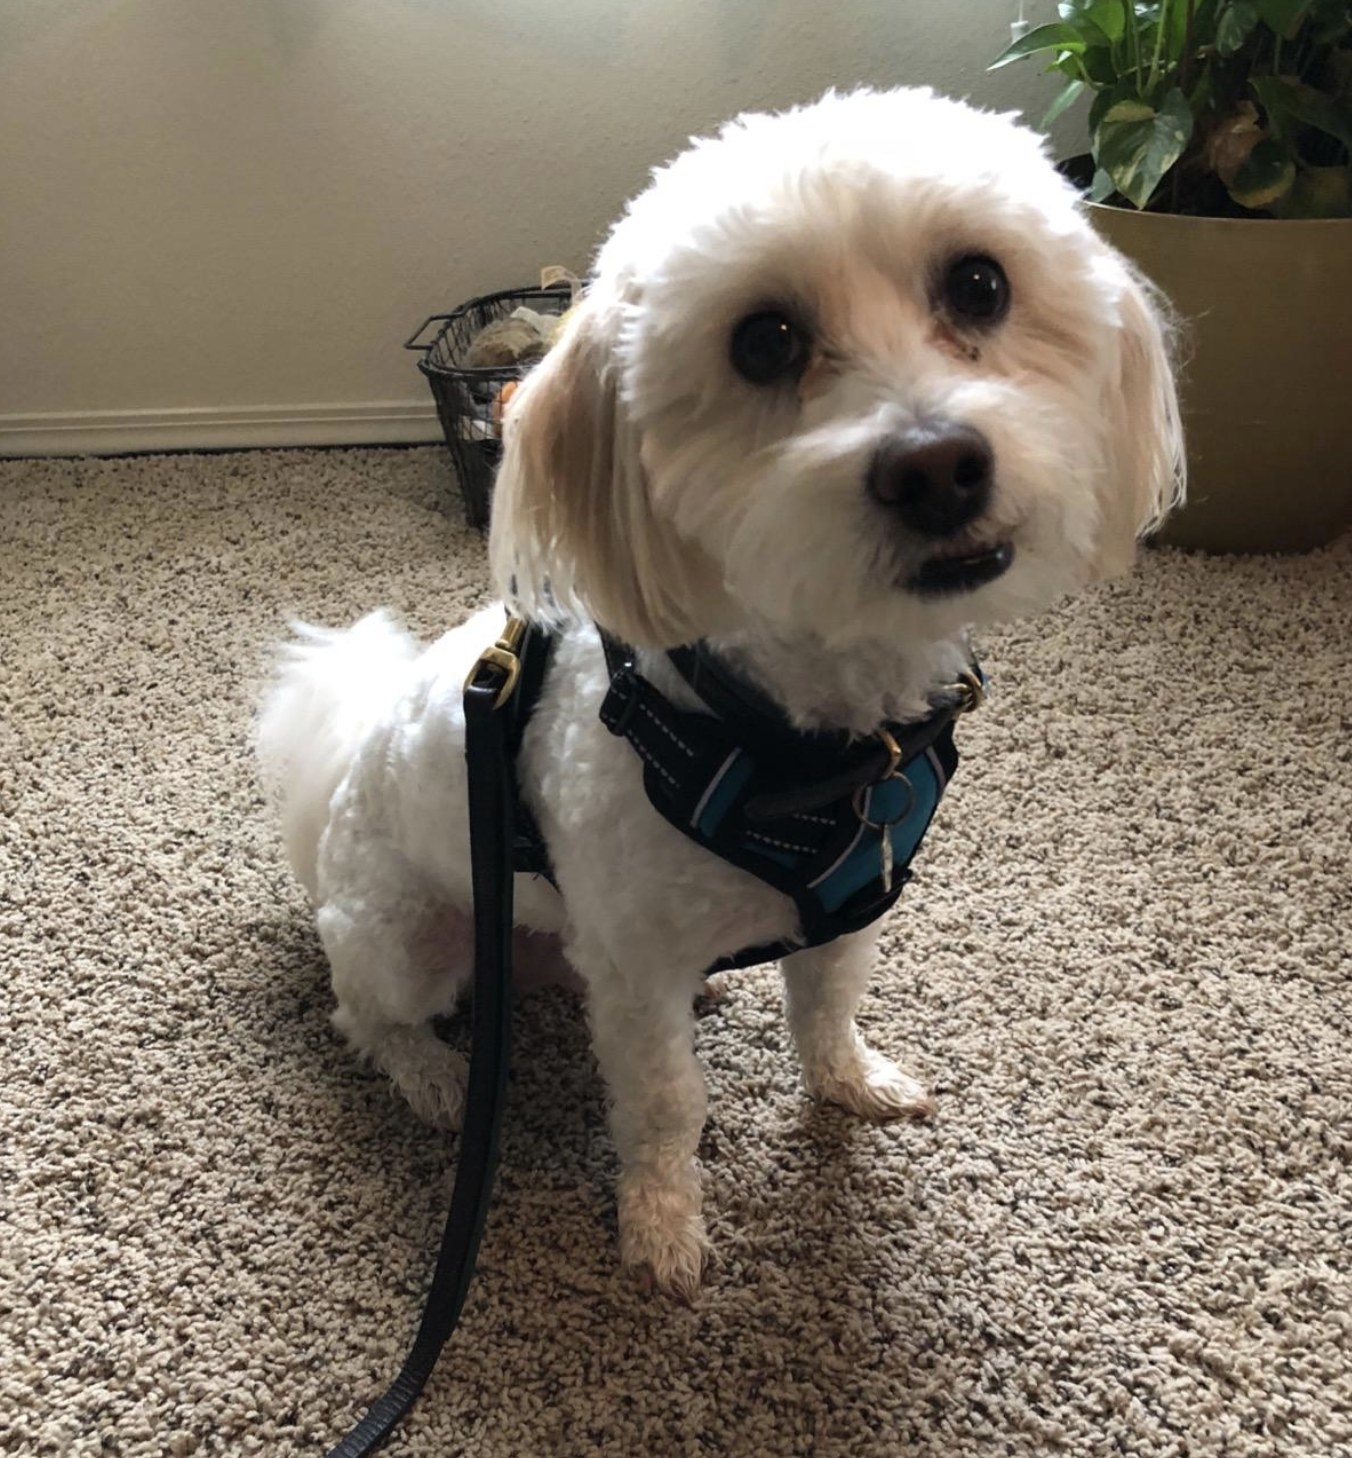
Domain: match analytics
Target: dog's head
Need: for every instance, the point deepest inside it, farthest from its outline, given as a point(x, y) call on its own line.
point(860, 369)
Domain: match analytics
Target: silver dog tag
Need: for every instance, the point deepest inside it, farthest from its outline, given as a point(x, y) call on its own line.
point(887, 860)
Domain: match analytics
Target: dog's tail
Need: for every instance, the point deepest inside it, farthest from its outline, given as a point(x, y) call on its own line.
point(329, 686)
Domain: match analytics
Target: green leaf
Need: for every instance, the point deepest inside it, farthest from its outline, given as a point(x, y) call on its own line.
point(1110, 97)
point(1266, 177)
point(1108, 15)
point(1060, 35)
point(1098, 67)
point(1319, 192)
point(1102, 186)
point(1136, 145)
point(1131, 110)
point(1071, 65)
point(1237, 21)
point(1069, 94)
point(1288, 101)
point(1283, 16)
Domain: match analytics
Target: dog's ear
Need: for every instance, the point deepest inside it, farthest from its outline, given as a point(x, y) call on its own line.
point(573, 528)
point(1146, 466)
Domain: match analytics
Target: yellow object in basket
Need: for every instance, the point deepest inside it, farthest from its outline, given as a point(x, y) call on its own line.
point(500, 404)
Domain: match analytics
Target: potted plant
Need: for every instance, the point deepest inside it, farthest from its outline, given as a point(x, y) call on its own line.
point(1220, 161)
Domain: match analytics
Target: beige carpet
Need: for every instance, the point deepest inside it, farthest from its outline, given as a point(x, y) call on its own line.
point(1125, 967)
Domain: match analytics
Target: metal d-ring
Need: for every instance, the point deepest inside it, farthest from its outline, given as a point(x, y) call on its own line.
point(861, 807)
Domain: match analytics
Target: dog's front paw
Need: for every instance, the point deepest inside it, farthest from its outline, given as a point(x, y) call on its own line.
point(662, 1234)
point(871, 1086)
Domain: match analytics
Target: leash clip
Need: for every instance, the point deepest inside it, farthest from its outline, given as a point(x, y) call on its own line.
point(504, 656)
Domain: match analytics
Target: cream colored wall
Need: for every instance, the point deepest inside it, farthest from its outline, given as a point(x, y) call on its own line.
point(220, 218)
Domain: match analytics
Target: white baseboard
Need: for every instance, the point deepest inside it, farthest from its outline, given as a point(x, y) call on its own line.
point(119, 432)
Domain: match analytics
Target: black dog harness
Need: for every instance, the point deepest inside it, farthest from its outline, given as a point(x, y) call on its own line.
point(829, 819)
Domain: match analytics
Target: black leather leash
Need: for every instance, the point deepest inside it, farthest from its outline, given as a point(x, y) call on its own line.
point(492, 813)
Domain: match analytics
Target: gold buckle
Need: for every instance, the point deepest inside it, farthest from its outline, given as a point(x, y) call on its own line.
point(504, 654)
point(970, 690)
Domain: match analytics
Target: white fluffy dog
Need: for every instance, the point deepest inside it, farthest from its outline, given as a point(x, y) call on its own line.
point(848, 380)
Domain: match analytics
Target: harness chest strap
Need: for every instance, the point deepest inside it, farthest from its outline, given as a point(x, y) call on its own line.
point(830, 820)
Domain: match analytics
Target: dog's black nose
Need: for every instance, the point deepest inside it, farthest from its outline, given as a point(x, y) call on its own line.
point(936, 475)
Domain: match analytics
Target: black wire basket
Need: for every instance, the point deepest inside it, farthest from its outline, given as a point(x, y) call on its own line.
point(469, 401)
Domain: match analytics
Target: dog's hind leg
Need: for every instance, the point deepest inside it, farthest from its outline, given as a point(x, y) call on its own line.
point(397, 964)
point(430, 1075)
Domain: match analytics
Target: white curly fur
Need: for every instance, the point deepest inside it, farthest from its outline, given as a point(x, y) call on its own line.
point(648, 487)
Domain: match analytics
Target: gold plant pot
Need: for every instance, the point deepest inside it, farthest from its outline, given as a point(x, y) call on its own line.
point(1267, 379)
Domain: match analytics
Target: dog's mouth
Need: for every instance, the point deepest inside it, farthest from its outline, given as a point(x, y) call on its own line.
point(957, 570)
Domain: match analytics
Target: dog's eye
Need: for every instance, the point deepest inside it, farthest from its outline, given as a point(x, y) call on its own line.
point(976, 289)
point(768, 346)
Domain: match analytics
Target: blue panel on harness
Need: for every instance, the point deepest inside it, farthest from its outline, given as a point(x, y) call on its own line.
point(901, 807)
point(723, 791)
point(905, 804)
